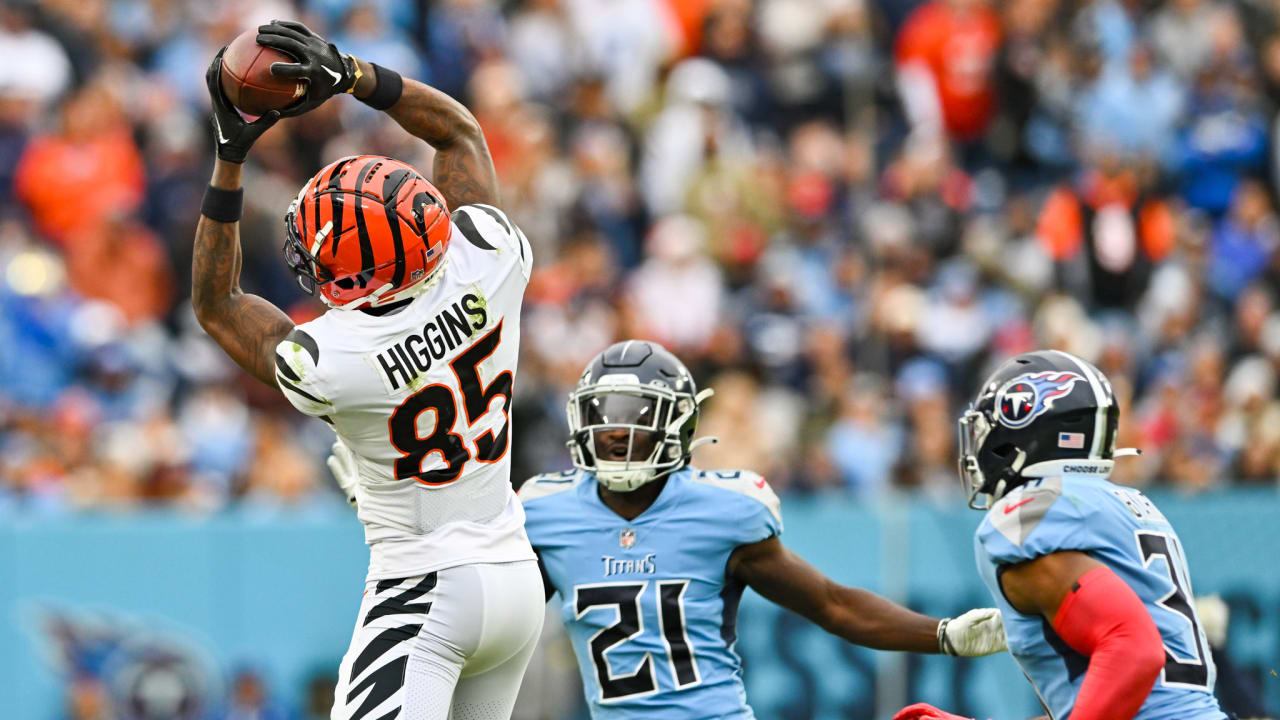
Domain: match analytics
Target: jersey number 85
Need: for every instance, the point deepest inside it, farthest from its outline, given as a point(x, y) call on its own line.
point(476, 398)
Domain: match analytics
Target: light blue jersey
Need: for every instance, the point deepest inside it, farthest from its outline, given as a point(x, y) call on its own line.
point(647, 603)
point(1121, 528)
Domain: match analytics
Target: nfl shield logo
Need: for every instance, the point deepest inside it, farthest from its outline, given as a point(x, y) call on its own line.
point(627, 538)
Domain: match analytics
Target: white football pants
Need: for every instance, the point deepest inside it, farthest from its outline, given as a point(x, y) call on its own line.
point(449, 645)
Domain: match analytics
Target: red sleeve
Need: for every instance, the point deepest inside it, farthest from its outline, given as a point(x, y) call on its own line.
point(918, 37)
point(1104, 620)
point(1061, 226)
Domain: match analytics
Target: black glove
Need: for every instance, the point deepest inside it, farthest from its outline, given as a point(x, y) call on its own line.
point(327, 71)
point(231, 133)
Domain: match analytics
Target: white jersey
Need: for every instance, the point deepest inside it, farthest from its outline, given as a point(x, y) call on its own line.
point(422, 397)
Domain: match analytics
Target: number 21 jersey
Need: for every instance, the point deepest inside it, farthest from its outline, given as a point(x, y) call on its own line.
point(1121, 528)
point(422, 397)
point(647, 602)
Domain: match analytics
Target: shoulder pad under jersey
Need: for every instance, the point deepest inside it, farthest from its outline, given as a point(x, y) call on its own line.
point(546, 484)
point(488, 228)
point(298, 374)
point(743, 482)
point(1017, 514)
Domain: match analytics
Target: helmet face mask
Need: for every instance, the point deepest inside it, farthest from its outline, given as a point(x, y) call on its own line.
point(973, 430)
point(632, 419)
point(311, 273)
point(625, 433)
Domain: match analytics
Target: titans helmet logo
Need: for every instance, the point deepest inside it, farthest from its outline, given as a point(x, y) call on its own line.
point(1028, 396)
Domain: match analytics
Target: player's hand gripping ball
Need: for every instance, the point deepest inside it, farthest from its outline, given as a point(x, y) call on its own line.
point(232, 134)
point(248, 80)
point(316, 63)
point(973, 634)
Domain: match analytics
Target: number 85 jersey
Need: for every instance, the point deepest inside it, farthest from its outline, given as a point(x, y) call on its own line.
point(422, 398)
point(1121, 528)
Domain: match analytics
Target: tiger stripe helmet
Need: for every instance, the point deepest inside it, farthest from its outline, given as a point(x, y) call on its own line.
point(366, 231)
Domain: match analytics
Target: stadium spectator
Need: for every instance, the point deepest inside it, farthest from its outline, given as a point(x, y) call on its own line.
point(1107, 232)
point(91, 158)
point(1243, 241)
point(946, 53)
point(122, 262)
point(675, 296)
point(249, 699)
point(723, 176)
point(34, 68)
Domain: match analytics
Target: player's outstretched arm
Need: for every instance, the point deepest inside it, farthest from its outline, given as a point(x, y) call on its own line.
point(463, 169)
point(1098, 616)
point(245, 326)
point(861, 617)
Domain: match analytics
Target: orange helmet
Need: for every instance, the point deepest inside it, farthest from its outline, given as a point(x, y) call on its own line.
point(366, 231)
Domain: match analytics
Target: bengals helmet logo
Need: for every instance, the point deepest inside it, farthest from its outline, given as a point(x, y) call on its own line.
point(1029, 396)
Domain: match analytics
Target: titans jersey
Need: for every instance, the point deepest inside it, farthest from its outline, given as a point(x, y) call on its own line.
point(422, 398)
point(646, 601)
point(1121, 528)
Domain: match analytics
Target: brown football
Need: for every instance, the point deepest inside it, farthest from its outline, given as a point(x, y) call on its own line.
point(247, 78)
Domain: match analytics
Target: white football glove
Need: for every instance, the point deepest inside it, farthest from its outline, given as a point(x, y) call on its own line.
point(973, 634)
point(1215, 617)
point(343, 466)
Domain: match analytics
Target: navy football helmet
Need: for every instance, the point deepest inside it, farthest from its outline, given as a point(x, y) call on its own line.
point(633, 415)
point(1040, 413)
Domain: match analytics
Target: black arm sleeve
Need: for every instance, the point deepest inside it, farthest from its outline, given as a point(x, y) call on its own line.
point(547, 587)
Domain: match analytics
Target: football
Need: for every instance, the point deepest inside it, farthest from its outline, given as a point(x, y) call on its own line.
point(247, 78)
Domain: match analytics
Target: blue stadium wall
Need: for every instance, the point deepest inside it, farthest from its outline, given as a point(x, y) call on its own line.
point(279, 593)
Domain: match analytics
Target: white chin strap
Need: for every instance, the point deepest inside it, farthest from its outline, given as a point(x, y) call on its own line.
point(622, 476)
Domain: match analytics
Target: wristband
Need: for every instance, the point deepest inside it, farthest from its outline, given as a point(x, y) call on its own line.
point(944, 642)
point(387, 90)
point(356, 73)
point(222, 205)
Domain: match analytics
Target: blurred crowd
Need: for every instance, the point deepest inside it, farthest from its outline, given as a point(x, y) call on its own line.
point(841, 214)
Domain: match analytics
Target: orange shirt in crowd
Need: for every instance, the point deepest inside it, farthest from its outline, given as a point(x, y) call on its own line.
point(957, 41)
point(689, 17)
point(123, 263)
point(74, 186)
point(1061, 227)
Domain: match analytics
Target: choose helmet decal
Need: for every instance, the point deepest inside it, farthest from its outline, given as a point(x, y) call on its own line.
point(1026, 397)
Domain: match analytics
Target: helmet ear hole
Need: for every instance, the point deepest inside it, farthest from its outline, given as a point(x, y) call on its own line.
point(345, 283)
point(1007, 450)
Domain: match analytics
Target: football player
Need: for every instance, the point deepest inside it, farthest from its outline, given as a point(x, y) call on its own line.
point(650, 555)
point(1091, 579)
point(412, 365)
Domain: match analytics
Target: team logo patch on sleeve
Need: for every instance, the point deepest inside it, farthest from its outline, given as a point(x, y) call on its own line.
point(1028, 396)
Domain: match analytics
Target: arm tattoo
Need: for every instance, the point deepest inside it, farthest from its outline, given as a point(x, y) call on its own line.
point(463, 168)
point(247, 327)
